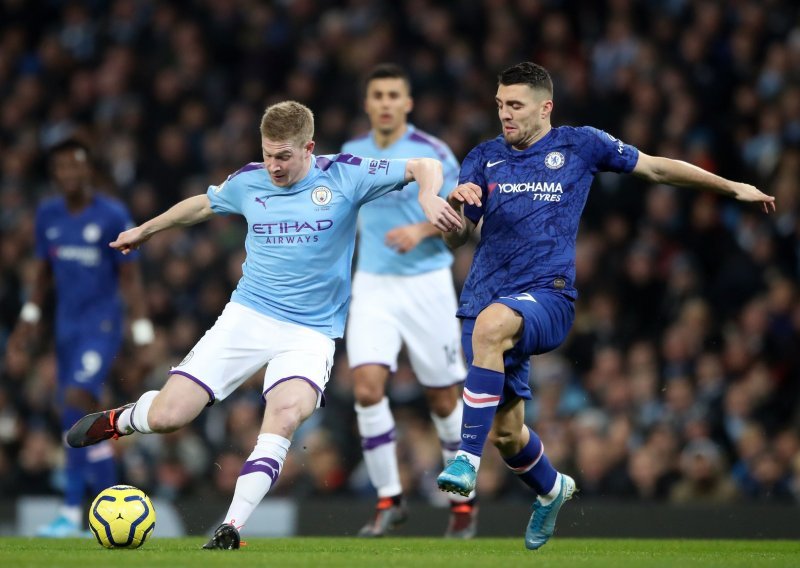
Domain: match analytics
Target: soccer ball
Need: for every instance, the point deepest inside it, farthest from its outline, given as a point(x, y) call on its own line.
point(122, 516)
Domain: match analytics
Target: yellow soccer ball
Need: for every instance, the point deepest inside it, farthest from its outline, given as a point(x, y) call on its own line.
point(122, 516)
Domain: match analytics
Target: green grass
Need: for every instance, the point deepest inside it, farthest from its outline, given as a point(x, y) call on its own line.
point(414, 552)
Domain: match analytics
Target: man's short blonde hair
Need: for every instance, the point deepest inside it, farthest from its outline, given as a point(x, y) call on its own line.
point(288, 121)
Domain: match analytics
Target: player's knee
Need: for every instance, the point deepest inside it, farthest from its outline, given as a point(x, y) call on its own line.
point(287, 412)
point(442, 402)
point(367, 389)
point(503, 438)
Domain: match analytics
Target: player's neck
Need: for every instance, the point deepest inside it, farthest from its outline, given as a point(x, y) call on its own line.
point(78, 201)
point(534, 138)
point(386, 139)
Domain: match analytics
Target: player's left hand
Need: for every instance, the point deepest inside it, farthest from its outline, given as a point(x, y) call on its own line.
point(440, 214)
point(404, 239)
point(129, 240)
point(750, 193)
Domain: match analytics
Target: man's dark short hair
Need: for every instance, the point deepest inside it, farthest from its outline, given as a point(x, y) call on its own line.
point(527, 73)
point(388, 71)
point(70, 145)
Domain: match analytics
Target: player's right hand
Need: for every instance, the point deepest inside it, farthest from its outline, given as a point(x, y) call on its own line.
point(129, 240)
point(465, 193)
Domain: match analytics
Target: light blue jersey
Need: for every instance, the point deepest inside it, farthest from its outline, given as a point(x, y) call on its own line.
point(300, 239)
point(400, 209)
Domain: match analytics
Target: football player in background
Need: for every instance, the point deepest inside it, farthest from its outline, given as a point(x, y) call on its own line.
point(290, 304)
point(533, 181)
point(403, 294)
point(91, 281)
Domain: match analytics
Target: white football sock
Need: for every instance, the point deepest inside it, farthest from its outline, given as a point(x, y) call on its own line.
point(449, 431)
point(259, 473)
point(547, 499)
point(134, 419)
point(376, 427)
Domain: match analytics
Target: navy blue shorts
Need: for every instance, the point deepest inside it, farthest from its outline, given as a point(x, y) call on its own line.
point(85, 360)
point(547, 318)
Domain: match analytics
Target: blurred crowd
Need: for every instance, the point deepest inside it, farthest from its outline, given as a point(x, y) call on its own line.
point(680, 381)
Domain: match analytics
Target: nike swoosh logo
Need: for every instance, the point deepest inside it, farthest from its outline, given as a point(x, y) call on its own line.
point(493, 164)
point(472, 425)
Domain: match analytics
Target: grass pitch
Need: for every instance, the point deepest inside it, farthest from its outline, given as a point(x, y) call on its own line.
point(414, 552)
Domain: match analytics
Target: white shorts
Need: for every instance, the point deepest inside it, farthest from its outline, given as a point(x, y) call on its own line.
point(242, 341)
point(420, 311)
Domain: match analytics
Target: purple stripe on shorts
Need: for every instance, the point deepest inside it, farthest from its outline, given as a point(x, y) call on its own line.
point(306, 379)
point(380, 440)
point(262, 465)
point(211, 397)
point(450, 446)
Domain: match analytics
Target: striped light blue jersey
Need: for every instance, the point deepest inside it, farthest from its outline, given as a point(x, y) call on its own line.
point(531, 206)
point(401, 208)
point(300, 239)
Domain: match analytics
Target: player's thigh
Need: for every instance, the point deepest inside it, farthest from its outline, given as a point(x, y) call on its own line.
point(236, 347)
point(372, 335)
point(547, 318)
point(303, 354)
point(431, 331)
point(84, 362)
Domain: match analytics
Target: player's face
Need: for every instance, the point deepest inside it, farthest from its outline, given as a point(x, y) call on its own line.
point(387, 104)
point(71, 170)
point(286, 162)
point(524, 114)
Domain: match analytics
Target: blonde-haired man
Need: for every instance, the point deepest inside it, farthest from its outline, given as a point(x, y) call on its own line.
point(290, 303)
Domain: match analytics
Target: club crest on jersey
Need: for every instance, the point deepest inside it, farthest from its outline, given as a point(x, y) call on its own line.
point(321, 195)
point(554, 160)
point(91, 233)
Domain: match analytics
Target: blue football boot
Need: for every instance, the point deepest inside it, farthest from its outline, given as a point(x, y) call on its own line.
point(543, 519)
point(458, 477)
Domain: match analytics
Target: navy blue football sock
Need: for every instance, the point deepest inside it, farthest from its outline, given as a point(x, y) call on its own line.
point(533, 467)
point(482, 391)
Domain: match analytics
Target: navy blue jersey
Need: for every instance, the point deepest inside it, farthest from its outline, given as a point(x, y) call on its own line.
point(532, 201)
point(85, 268)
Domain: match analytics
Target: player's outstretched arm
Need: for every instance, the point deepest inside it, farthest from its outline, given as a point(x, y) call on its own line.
point(427, 172)
point(187, 212)
point(677, 172)
point(464, 193)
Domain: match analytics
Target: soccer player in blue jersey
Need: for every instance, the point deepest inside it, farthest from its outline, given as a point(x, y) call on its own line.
point(89, 278)
point(532, 183)
point(403, 293)
point(290, 303)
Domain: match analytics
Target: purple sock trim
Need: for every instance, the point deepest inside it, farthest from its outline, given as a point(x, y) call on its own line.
point(450, 446)
point(211, 397)
point(306, 379)
point(262, 465)
point(373, 442)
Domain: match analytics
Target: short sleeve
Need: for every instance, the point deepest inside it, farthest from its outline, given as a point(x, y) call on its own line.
point(472, 172)
point(605, 153)
point(224, 197)
point(372, 177)
point(40, 246)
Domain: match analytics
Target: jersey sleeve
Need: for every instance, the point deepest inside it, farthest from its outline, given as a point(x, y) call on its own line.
point(472, 172)
point(226, 197)
point(450, 168)
point(373, 178)
point(40, 244)
point(605, 153)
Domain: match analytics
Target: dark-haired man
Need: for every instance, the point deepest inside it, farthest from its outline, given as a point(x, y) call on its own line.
point(72, 232)
point(533, 181)
point(403, 294)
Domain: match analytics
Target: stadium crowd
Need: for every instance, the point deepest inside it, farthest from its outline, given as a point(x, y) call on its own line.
point(681, 378)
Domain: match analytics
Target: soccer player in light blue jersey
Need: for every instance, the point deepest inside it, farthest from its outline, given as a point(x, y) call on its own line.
point(532, 183)
point(403, 293)
point(90, 281)
point(290, 303)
